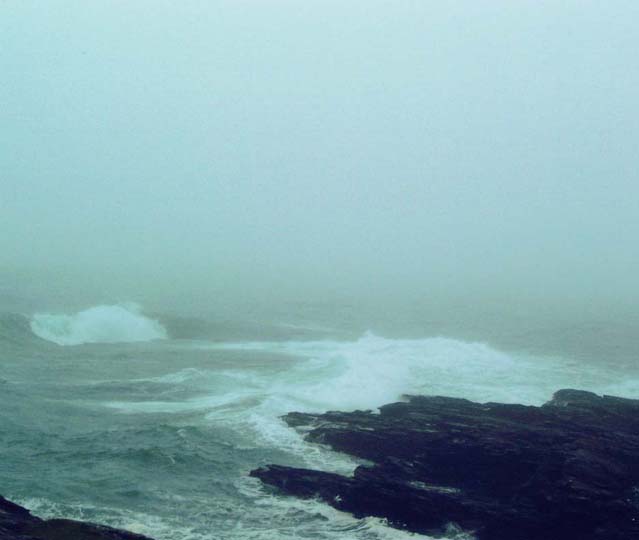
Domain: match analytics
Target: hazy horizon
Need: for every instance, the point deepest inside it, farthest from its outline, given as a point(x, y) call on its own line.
point(182, 155)
point(222, 219)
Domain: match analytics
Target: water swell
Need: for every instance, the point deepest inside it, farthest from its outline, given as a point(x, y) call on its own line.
point(15, 331)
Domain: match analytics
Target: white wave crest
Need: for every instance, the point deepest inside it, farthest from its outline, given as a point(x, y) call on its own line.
point(98, 324)
point(374, 370)
point(250, 397)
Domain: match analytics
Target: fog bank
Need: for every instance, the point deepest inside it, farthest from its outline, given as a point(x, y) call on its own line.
point(201, 152)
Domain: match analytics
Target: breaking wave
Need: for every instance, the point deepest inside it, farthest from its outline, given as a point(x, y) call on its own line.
point(361, 374)
point(98, 324)
point(191, 405)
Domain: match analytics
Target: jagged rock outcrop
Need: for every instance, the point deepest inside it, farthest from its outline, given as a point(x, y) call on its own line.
point(17, 523)
point(566, 470)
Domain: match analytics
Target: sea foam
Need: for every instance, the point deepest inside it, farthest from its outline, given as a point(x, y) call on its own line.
point(98, 324)
point(361, 374)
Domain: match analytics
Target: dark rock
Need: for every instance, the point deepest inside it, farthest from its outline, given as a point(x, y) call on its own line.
point(17, 523)
point(566, 470)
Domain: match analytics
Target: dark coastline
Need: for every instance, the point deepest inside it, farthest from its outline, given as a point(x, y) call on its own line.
point(566, 470)
point(17, 523)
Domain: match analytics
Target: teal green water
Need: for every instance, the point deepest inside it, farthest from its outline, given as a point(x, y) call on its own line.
point(158, 435)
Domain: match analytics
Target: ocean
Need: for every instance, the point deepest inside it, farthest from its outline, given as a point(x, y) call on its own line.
point(152, 421)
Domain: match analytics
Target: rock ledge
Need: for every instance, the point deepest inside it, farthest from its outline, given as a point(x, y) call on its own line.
point(17, 523)
point(566, 470)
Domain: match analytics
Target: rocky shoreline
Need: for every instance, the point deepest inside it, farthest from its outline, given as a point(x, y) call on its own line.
point(566, 470)
point(17, 523)
point(435, 465)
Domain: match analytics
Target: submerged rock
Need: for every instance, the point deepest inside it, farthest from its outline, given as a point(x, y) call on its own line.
point(17, 523)
point(566, 470)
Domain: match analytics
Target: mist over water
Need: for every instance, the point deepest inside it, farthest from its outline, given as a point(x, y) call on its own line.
point(214, 213)
point(238, 152)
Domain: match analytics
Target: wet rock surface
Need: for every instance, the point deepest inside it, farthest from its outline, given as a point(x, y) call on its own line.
point(17, 523)
point(566, 470)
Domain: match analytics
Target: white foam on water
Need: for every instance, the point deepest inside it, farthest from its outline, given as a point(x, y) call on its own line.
point(373, 370)
point(288, 519)
point(332, 524)
point(155, 526)
point(364, 374)
point(99, 324)
point(182, 376)
point(342, 375)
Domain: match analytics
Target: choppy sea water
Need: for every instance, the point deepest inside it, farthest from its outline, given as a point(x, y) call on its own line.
point(106, 416)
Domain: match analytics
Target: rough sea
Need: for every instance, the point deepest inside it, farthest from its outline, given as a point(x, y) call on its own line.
point(152, 422)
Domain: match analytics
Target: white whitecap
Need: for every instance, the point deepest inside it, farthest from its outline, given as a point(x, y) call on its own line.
point(98, 324)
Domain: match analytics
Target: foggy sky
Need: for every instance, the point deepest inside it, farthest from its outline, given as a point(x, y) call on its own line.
point(156, 150)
